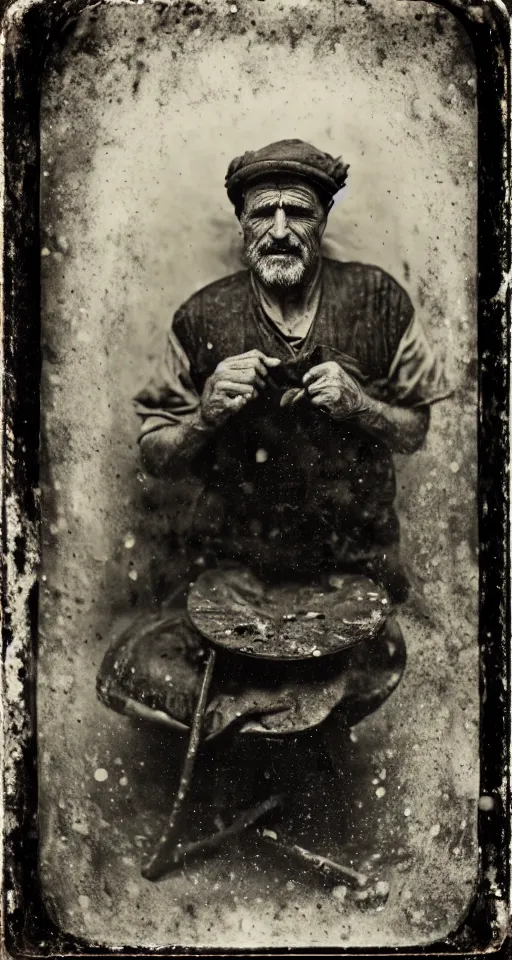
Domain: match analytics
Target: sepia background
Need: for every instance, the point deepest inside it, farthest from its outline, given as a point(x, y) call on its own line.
point(143, 107)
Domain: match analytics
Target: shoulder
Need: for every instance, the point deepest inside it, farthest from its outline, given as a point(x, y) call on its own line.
point(213, 315)
point(223, 292)
point(366, 276)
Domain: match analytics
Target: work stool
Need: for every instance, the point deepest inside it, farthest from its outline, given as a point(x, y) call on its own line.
point(251, 662)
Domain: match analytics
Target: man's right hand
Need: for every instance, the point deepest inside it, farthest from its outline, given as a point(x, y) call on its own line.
point(233, 383)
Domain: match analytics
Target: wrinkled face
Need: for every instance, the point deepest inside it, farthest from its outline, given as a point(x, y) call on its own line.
point(282, 225)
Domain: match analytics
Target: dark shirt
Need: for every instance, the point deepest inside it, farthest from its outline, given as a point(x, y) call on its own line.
point(289, 490)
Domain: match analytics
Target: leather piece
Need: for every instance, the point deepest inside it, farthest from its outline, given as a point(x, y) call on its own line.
point(158, 659)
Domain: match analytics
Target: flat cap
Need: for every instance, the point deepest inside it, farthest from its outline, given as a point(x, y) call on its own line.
point(292, 157)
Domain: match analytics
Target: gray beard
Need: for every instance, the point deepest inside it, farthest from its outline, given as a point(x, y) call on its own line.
point(279, 273)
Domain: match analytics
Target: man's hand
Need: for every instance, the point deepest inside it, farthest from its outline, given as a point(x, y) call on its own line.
point(233, 383)
point(329, 387)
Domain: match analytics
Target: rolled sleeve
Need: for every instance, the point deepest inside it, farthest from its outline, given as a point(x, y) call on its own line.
point(417, 375)
point(170, 396)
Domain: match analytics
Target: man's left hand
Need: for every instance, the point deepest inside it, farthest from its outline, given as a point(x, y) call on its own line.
point(330, 388)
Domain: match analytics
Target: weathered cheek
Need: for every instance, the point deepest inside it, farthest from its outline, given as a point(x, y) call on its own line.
point(255, 232)
point(247, 234)
point(300, 231)
point(309, 236)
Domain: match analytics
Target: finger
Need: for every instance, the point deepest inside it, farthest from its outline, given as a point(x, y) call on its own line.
point(236, 403)
point(242, 363)
point(317, 386)
point(237, 389)
point(316, 372)
point(321, 400)
point(291, 396)
point(260, 368)
point(298, 396)
point(258, 381)
point(268, 361)
point(261, 357)
point(240, 375)
point(246, 375)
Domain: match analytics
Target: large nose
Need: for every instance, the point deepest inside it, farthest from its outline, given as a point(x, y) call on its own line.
point(279, 229)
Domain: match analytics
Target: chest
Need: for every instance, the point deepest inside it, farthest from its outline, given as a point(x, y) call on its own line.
point(345, 328)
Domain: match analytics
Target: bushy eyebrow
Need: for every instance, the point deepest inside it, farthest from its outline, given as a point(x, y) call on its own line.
point(263, 209)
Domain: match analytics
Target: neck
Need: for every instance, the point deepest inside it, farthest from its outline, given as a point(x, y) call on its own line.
point(292, 307)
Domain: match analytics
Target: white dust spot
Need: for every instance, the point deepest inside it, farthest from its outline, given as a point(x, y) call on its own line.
point(339, 893)
point(382, 888)
point(80, 828)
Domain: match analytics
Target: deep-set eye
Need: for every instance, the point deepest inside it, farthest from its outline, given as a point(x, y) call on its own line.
point(296, 210)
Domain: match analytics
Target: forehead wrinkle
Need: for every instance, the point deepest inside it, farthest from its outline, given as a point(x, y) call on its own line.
point(294, 194)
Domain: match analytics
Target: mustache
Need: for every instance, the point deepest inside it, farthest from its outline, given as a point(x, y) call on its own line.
point(277, 246)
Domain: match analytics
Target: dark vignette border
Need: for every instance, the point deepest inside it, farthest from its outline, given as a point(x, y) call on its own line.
point(27, 929)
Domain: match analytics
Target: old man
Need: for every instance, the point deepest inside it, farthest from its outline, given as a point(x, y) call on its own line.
point(288, 386)
point(285, 389)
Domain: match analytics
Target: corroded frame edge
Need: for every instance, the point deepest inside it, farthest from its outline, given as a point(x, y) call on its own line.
point(27, 29)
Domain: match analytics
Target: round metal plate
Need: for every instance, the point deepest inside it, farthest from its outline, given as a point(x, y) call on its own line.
point(238, 612)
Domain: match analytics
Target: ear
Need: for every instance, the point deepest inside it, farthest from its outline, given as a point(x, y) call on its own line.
point(321, 228)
